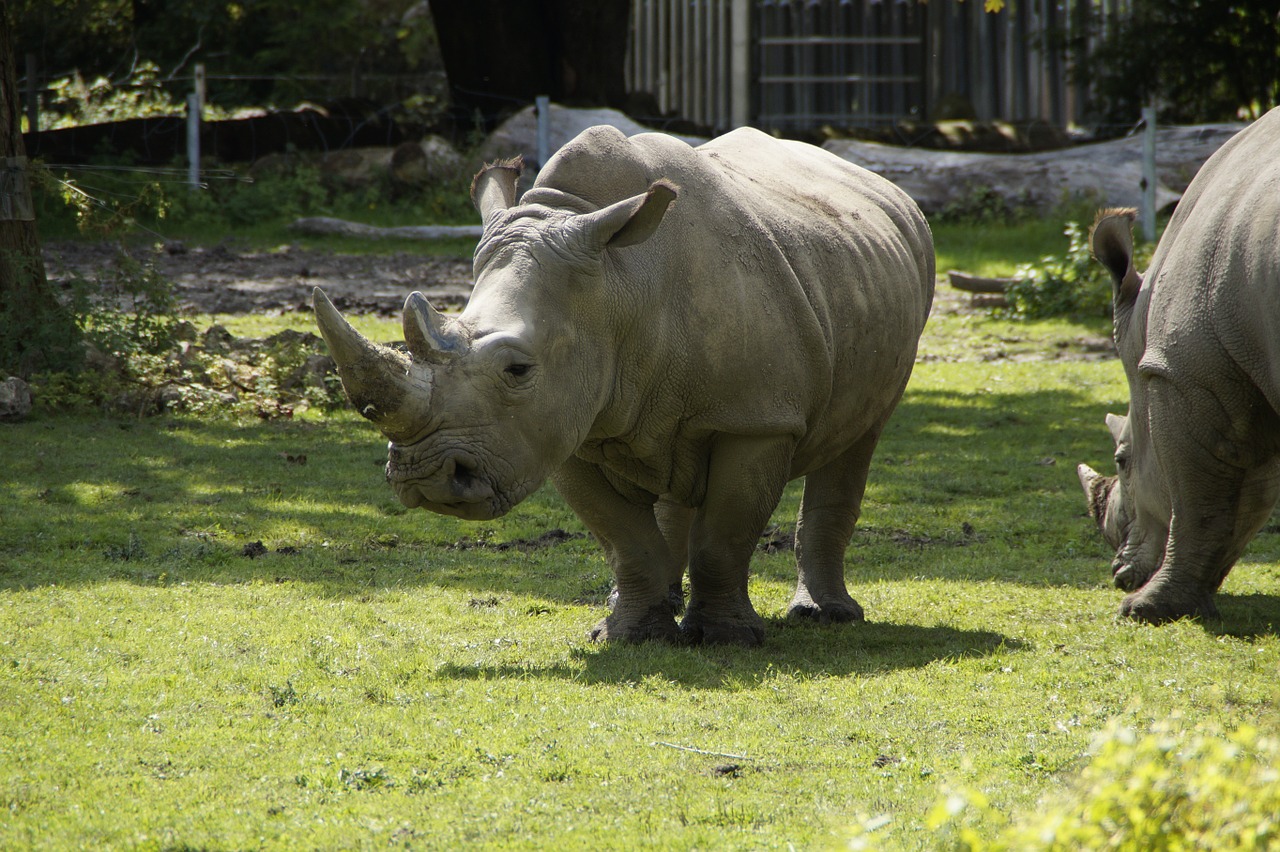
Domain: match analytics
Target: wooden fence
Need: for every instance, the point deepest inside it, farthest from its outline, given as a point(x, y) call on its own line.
point(797, 65)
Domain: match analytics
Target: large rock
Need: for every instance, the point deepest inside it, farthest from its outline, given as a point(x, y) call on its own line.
point(519, 133)
point(15, 399)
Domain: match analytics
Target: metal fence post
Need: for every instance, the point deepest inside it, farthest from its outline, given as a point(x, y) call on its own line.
point(193, 140)
point(542, 105)
point(1149, 172)
point(740, 64)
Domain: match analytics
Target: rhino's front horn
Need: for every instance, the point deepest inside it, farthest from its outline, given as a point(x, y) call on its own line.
point(1087, 476)
point(424, 332)
point(384, 385)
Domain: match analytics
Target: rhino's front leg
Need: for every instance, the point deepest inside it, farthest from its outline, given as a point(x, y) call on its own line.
point(1140, 556)
point(745, 478)
point(638, 554)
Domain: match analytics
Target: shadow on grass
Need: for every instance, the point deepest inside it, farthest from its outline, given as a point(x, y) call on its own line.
point(790, 649)
point(1249, 617)
point(964, 486)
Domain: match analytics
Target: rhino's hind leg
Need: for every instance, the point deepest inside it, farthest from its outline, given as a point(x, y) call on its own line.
point(828, 513)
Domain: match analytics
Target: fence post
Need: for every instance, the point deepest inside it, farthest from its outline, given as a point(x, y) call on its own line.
point(193, 140)
point(542, 106)
point(1149, 172)
point(740, 63)
point(201, 92)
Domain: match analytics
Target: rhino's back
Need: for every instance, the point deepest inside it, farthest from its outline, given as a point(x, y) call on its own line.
point(799, 233)
point(1215, 281)
point(784, 292)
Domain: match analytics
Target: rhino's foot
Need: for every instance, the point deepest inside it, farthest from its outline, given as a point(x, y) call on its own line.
point(1161, 609)
point(745, 629)
point(675, 597)
point(833, 609)
point(1130, 577)
point(654, 624)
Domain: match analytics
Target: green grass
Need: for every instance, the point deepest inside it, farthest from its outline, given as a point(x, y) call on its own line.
point(209, 643)
point(368, 682)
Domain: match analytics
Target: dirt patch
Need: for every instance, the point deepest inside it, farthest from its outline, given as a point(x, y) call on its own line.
point(224, 279)
point(227, 279)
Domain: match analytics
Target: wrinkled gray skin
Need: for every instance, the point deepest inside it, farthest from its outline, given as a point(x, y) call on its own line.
point(1198, 456)
point(670, 366)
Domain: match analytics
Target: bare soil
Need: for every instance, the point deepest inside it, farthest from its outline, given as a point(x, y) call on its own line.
point(226, 280)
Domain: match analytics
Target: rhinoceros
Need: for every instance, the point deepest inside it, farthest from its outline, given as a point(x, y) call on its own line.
point(670, 334)
point(1198, 455)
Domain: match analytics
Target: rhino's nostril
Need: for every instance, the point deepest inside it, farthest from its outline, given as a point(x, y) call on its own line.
point(463, 475)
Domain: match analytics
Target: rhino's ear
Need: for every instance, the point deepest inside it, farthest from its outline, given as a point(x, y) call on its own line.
point(493, 189)
point(1111, 241)
point(631, 220)
point(424, 332)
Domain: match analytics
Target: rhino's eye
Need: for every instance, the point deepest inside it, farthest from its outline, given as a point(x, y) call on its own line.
point(518, 371)
point(1122, 462)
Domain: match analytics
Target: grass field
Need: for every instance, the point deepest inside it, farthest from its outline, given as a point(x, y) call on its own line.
point(229, 635)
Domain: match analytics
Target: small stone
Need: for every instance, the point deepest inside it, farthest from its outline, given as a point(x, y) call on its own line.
point(15, 399)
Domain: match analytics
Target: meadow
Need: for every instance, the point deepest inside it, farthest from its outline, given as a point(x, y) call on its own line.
point(227, 634)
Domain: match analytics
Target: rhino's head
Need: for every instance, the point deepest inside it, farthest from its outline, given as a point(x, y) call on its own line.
point(1105, 495)
point(1130, 508)
point(486, 405)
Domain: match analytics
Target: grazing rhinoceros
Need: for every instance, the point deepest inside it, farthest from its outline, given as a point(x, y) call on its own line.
point(1199, 452)
point(670, 366)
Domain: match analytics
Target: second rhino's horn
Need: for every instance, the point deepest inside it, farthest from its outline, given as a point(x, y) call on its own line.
point(383, 385)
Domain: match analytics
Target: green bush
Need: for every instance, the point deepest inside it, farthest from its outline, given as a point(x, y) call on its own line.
point(1073, 284)
point(1165, 790)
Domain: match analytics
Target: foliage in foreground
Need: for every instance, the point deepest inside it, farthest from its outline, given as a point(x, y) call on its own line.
point(1169, 789)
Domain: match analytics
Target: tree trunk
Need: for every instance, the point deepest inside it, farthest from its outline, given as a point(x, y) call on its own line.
point(500, 55)
point(36, 332)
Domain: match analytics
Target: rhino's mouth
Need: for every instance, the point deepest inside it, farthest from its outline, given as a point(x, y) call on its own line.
point(456, 485)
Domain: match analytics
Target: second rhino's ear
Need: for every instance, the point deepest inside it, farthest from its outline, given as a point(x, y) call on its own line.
point(493, 189)
point(1111, 240)
point(629, 221)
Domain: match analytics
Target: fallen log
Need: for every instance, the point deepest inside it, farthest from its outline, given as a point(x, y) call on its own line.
point(978, 284)
point(327, 226)
point(983, 292)
point(1109, 174)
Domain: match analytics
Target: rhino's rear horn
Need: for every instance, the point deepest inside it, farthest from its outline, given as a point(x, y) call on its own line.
point(424, 332)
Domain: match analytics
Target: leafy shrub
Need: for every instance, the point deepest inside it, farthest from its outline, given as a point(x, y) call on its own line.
point(128, 308)
point(1165, 790)
point(1070, 285)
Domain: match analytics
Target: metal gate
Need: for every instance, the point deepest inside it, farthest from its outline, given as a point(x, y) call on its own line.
point(846, 63)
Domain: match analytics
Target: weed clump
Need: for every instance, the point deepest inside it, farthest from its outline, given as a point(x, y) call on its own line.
point(1072, 284)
